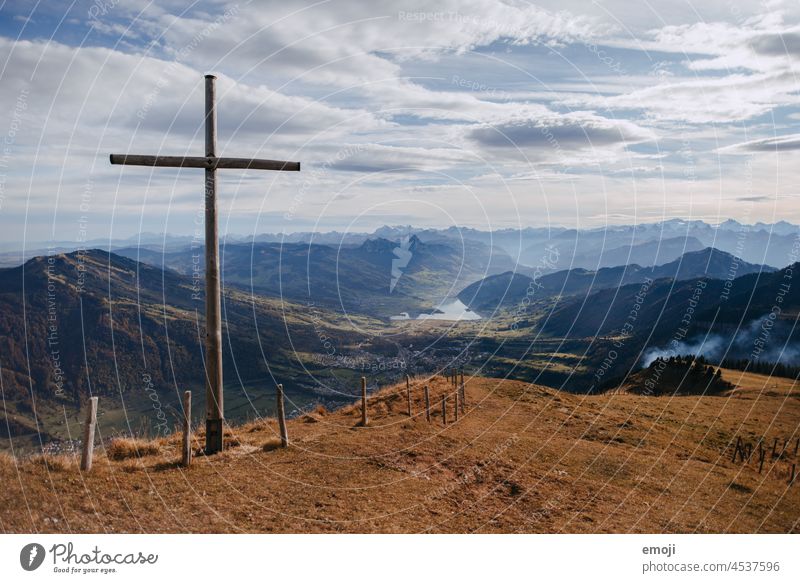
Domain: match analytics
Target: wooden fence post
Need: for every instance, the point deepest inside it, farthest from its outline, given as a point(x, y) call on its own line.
point(736, 449)
point(444, 409)
point(456, 407)
point(408, 394)
point(187, 429)
point(364, 401)
point(774, 447)
point(791, 478)
point(88, 435)
point(762, 453)
point(282, 418)
point(427, 405)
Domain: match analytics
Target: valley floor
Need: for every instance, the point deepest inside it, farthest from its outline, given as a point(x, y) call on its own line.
point(523, 458)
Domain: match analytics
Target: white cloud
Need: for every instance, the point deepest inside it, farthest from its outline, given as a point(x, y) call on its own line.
point(350, 43)
point(773, 144)
point(726, 99)
point(579, 130)
point(744, 66)
point(309, 81)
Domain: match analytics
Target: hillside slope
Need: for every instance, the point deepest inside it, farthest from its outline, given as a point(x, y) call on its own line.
point(665, 304)
point(377, 277)
point(510, 289)
point(522, 459)
point(99, 323)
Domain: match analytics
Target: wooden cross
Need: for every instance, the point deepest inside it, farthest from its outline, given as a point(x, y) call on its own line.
point(215, 413)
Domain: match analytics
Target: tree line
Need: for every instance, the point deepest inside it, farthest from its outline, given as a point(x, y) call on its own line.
point(775, 369)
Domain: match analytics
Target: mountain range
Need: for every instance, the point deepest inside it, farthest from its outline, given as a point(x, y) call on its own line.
point(665, 303)
point(510, 288)
point(589, 248)
point(753, 317)
point(102, 324)
point(128, 325)
point(376, 277)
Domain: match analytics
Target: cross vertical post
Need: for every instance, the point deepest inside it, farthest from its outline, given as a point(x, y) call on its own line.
point(215, 410)
point(215, 407)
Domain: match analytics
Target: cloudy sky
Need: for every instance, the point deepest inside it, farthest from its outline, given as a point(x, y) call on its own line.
point(480, 113)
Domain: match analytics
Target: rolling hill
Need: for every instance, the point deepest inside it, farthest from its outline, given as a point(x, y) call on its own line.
point(665, 302)
point(509, 289)
point(131, 333)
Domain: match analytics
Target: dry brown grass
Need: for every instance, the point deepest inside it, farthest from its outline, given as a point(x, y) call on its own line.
point(6, 459)
point(258, 425)
point(232, 441)
point(271, 444)
point(523, 458)
point(53, 463)
point(130, 466)
point(123, 448)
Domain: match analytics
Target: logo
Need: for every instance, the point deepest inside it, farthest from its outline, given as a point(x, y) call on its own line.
point(31, 556)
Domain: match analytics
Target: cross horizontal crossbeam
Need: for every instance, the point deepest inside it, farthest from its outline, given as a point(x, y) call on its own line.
point(215, 410)
point(205, 162)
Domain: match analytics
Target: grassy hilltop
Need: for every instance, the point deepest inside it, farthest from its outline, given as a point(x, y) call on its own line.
point(524, 458)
